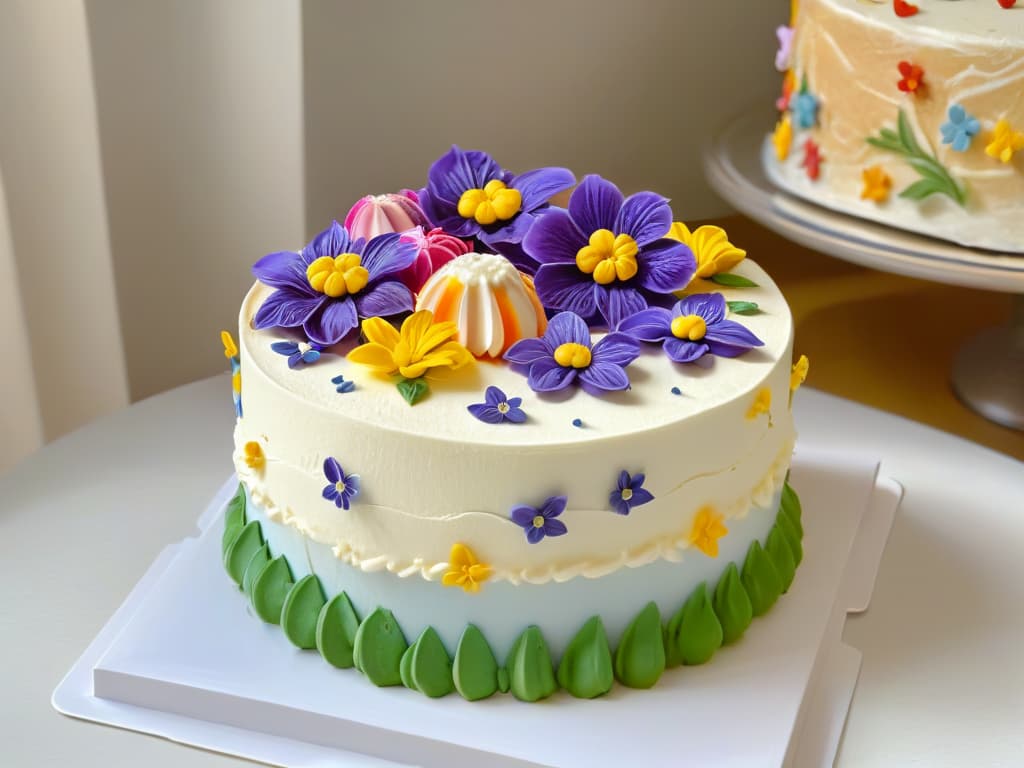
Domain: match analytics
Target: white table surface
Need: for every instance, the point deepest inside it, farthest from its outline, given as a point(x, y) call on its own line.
point(942, 682)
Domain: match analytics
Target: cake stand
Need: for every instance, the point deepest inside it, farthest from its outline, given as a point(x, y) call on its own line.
point(988, 371)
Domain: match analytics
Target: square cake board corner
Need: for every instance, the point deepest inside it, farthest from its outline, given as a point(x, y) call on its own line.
point(184, 659)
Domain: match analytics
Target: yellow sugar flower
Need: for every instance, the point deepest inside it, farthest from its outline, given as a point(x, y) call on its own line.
point(799, 373)
point(783, 138)
point(465, 570)
point(762, 404)
point(230, 348)
point(253, 456)
point(708, 528)
point(1005, 141)
point(711, 248)
point(877, 184)
point(421, 345)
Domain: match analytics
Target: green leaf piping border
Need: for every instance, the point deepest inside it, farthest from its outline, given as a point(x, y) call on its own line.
point(935, 179)
point(376, 646)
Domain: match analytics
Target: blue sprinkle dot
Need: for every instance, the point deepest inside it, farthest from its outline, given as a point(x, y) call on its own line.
point(676, 391)
point(577, 422)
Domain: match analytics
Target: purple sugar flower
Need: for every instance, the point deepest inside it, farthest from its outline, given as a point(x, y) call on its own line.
point(470, 195)
point(564, 354)
point(333, 283)
point(606, 258)
point(341, 488)
point(297, 352)
point(541, 522)
point(784, 55)
point(498, 408)
point(695, 326)
point(629, 493)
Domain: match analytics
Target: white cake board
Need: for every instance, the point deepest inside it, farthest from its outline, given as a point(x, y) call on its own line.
point(184, 659)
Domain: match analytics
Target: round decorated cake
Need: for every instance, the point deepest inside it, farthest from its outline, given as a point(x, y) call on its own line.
point(487, 444)
point(907, 114)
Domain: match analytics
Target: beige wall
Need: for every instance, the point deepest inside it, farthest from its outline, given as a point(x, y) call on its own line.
point(629, 89)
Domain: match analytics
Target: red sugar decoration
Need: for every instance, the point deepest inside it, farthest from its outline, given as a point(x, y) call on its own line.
point(904, 9)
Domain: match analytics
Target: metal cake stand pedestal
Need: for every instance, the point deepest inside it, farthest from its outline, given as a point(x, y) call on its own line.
point(988, 372)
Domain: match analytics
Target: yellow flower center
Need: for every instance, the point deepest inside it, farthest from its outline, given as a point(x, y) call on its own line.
point(627, 494)
point(572, 355)
point(340, 486)
point(339, 276)
point(495, 202)
point(609, 257)
point(503, 408)
point(538, 521)
point(690, 327)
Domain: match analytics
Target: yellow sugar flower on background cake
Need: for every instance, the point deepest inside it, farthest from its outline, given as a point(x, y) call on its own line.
point(1005, 141)
point(465, 570)
point(708, 528)
point(762, 404)
point(782, 139)
point(253, 456)
point(230, 348)
point(877, 184)
point(711, 248)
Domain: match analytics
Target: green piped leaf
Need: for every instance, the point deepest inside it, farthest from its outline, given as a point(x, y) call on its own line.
point(475, 671)
point(792, 535)
point(413, 390)
point(241, 550)
point(336, 630)
point(732, 605)
point(585, 670)
point(405, 669)
point(270, 588)
point(430, 665)
point(378, 648)
point(234, 519)
point(640, 657)
point(504, 682)
point(790, 504)
point(695, 632)
point(256, 564)
point(760, 579)
point(301, 611)
point(743, 307)
point(733, 281)
point(531, 675)
point(781, 556)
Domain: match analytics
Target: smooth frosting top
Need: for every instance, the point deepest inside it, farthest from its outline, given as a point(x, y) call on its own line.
point(662, 392)
point(946, 20)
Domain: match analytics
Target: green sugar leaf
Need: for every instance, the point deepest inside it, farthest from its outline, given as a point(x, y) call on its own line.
point(475, 671)
point(921, 189)
point(378, 648)
point(270, 588)
point(336, 629)
point(430, 665)
point(760, 580)
point(781, 556)
point(254, 567)
point(732, 605)
point(640, 657)
point(405, 669)
point(743, 307)
point(241, 549)
point(531, 675)
point(413, 390)
point(234, 513)
point(733, 281)
point(585, 670)
point(301, 611)
point(698, 633)
point(790, 504)
point(792, 535)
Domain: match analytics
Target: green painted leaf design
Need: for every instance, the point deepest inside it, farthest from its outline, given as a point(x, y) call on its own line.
point(760, 580)
point(256, 564)
point(792, 535)
point(413, 390)
point(781, 556)
point(585, 670)
point(475, 671)
point(301, 611)
point(743, 307)
point(531, 675)
point(270, 588)
point(733, 281)
point(378, 648)
point(732, 605)
point(336, 629)
point(241, 550)
point(699, 633)
point(640, 657)
point(430, 665)
point(935, 179)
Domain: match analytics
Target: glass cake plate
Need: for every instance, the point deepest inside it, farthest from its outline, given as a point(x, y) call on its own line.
point(185, 659)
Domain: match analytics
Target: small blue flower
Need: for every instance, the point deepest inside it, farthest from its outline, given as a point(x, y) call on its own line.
point(541, 522)
point(629, 493)
point(343, 387)
point(498, 408)
point(577, 422)
point(960, 128)
point(342, 488)
point(298, 353)
point(805, 108)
